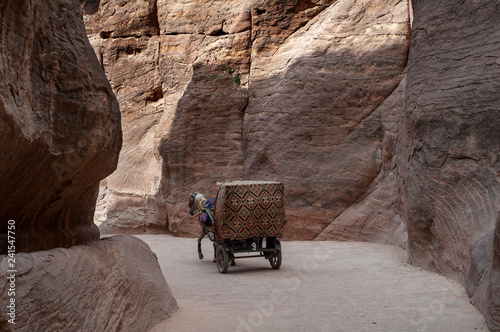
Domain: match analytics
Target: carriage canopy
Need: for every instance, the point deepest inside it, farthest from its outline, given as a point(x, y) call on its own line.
point(247, 209)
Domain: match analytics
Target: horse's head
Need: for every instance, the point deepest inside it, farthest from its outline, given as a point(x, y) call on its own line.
point(191, 203)
point(196, 201)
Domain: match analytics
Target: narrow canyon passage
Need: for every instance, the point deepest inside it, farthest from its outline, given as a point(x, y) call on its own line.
point(321, 286)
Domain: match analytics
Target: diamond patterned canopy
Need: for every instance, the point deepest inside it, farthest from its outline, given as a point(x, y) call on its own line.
point(247, 209)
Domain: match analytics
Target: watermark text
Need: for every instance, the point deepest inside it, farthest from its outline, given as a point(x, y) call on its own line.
point(11, 271)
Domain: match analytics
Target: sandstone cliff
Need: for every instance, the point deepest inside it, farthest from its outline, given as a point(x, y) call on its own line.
point(60, 135)
point(321, 95)
point(450, 144)
point(60, 126)
point(270, 90)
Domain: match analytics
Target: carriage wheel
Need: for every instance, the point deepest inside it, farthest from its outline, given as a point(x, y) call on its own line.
point(222, 259)
point(275, 260)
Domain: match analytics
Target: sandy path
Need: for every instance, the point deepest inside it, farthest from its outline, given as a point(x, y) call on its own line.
point(321, 286)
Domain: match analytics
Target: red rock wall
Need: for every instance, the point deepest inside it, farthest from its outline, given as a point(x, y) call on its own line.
point(315, 122)
point(60, 125)
point(265, 90)
point(450, 144)
point(60, 135)
point(125, 37)
point(315, 94)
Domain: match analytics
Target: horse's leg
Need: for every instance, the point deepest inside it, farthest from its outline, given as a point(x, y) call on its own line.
point(215, 252)
point(202, 235)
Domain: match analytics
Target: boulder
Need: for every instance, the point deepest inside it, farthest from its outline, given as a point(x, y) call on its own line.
point(114, 284)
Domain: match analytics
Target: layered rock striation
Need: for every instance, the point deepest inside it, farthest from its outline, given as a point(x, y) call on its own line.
point(449, 147)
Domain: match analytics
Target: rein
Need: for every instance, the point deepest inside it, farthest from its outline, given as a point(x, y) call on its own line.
point(206, 207)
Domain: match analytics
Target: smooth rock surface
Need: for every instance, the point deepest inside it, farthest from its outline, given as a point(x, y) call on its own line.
point(114, 284)
point(310, 122)
point(378, 216)
point(59, 125)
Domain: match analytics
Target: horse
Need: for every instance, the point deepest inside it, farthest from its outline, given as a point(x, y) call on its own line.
point(198, 203)
point(205, 207)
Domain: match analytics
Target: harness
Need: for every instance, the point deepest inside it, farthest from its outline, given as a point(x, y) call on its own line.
point(206, 217)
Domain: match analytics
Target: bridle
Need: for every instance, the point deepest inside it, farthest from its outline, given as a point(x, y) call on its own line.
point(204, 215)
point(192, 199)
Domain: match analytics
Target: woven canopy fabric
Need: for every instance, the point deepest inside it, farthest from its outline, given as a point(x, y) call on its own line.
point(247, 209)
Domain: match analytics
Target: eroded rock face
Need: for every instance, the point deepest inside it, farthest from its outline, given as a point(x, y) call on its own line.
point(60, 135)
point(311, 93)
point(125, 38)
point(310, 122)
point(114, 284)
point(60, 125)
point(450, 145)
point(378, 215)
point(265, 90)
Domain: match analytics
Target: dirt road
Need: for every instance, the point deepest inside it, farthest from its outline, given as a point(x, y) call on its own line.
point(321, 286)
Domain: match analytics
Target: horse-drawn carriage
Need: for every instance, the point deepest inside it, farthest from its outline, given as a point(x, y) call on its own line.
point(246, 217)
